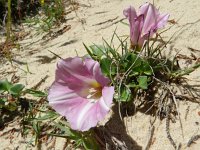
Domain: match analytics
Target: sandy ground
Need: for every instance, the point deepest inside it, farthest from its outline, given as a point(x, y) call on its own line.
point(99, 18)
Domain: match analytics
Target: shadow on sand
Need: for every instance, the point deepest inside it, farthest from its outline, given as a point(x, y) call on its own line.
point(113, 136)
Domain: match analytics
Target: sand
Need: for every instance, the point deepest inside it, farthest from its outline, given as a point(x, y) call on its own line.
point(93, 20)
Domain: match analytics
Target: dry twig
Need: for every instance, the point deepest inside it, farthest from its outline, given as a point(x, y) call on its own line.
point(150, 137)
point(193, 139)
point(109, 20)
point(167, 128)
point(40, 82)
point(187, 111)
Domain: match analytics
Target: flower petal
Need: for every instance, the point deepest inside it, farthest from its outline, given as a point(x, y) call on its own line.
point(150, 18)
point(153, 20)
point(107, 94)
point(60, 95)
point(93, 112)
point(81, 113)
point(131, 14)
point(162, 20)
point(74, 66)
point(75, 73)
point(94, 69)
point(136, 31)
point(67, 103)
point(75, 78)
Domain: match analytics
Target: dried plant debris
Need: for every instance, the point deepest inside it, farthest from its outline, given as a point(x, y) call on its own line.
point(52, 35)
point(192, 140)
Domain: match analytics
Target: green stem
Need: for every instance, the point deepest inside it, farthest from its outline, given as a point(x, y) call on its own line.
point(8, 32)
point(186, 71)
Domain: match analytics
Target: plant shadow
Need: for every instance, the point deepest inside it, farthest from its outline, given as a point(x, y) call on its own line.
point(114, 135)
point(7, 116)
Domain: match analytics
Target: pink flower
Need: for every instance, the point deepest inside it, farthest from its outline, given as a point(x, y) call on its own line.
point(80, 92)
point(144, 24)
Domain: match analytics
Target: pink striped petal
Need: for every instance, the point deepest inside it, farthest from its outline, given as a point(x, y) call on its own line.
point(81, 113)
point(94, 111)
point(131, 14)
point(79, 74)
point(162, 20)
point(94, 68)
point(150, 17)
point(144, 24)
point(153, 20)
point(136, 31)
point(69, 93)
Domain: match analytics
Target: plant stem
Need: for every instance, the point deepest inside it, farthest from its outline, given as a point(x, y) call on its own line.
point(8, 32)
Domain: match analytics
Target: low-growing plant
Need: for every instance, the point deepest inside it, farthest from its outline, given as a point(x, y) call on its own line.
point(134, 76)
point(137, 73)
point(18, 9)
point(10, 94)
point(37, 117)
point(16, 12)
point(42, 121)
point(53, 14)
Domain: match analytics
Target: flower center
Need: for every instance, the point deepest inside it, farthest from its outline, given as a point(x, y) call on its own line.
point(95, 92)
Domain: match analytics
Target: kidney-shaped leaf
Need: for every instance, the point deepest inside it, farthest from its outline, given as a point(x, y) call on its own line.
point(106, 67)
point(142, 80)
point(125, 94)
point(4, 85)
point(16, 89)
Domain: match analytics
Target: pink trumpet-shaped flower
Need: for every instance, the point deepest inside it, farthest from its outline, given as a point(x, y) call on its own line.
point(80, 92)
point(144, 24)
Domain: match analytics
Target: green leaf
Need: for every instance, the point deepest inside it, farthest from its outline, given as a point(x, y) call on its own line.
point(89, 52)
point(111, 50)
point(35, 127)
point(186, 71)
point(132, 85)
point(139, 65)
point(133, 61)
point(48, 115)
point(133, 58)
point(16, 89)
point(12, 106)
point(142, 80)
point(36, 93)
point(134, 72)
point(2, 102)
point(90, 144)
point(98, 50)
point(146, 68)
point(4, 85)
point(67, 131)
point(106, 67)
point(125, 94)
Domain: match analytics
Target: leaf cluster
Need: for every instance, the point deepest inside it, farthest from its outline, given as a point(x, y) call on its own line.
point(127, 70)
point(9, 95)
point(42, 122)
point(37, 117)
point(131, 71)
point(54, 14)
